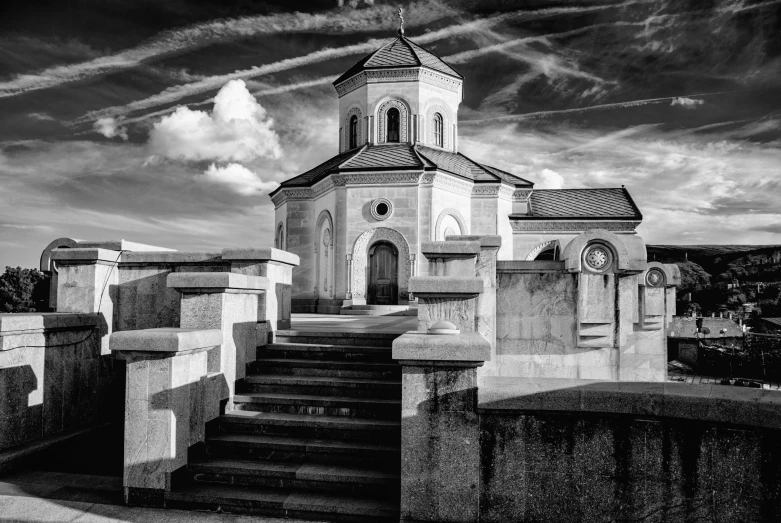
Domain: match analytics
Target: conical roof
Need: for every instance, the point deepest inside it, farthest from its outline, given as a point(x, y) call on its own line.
point(400, 52)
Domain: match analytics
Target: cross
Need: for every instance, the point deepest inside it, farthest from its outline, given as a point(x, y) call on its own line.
point(401, 21)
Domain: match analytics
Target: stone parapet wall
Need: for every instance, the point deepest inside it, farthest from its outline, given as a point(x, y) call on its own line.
point(53, 378)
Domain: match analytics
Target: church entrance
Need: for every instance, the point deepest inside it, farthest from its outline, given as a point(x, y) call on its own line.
point(383, 274)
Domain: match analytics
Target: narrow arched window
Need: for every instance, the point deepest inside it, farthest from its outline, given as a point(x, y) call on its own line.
point(393, 125)
point(353, 132)
point(438, 136)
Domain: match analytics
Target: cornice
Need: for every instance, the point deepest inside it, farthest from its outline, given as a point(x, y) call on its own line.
point(412, 74)
point(447, 183)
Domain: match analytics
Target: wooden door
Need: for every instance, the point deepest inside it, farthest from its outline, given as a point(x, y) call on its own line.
point(383, 275)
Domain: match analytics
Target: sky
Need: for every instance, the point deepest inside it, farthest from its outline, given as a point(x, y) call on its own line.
point(168, 123)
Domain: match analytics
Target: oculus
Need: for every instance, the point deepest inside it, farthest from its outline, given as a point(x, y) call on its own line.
point(598, 258)
point(381, 209)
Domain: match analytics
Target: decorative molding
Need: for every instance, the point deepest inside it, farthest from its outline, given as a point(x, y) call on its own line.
point(437, 106)
point(376, 215)
point(571, 226)
point(382, 120)
point(500, 190)
point(375, 178)
point(506, 192)
point(522, 194)
point(360, 265)
point(399, 75)
point(448, 183)
point(455, 214)
point(544, 246)
point(286, 194)
point(355, 111)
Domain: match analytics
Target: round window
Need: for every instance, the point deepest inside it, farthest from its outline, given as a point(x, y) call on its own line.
point(654, 278)
point(382, 209)
point(598, 258)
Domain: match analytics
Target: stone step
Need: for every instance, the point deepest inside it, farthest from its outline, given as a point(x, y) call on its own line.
point(363, 337)
point(306, 476)
point(284, 503)
point(381, 431)
point(290, 448)
point(312, 404)
point(373, 312)
point(323, 351)
point(331, 368)
point(323, 386)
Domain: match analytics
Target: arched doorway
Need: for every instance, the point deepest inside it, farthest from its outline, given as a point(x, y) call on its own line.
point(359, 270)
point(383, 274)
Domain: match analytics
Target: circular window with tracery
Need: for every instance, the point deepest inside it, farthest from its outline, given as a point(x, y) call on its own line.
point(598, 258)
point(654, 278)
point(382, 209)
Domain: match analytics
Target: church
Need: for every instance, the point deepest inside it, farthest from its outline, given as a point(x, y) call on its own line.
point(357, 220)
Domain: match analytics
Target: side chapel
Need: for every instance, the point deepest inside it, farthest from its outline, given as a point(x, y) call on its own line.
point(358, 219)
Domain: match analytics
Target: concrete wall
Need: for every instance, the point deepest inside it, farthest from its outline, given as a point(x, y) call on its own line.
point(638, 452)
point(53, 378)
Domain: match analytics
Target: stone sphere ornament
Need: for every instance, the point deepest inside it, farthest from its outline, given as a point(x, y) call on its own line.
point(598, 258)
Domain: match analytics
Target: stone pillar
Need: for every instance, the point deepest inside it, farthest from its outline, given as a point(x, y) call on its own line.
point(227, 301)
point(440, 433)
point(349, 294)
point(412, 273)
point(276, 265)
point(165, 405)
point(486, 300)
point(88, 282)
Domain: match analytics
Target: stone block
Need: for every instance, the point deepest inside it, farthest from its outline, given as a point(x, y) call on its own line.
point(217, 281)
point(429, 347)
point(445, 286)
point(165, 340)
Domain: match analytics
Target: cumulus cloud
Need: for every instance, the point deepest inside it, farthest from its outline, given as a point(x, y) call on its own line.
point(237, 178)
point(111, 127)
point(687, 103)
point(237, 130)
point(549, 179)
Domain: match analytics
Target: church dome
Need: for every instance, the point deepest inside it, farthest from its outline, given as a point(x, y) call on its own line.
point(399, 52)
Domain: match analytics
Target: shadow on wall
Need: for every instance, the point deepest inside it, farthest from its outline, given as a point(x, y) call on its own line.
point(539, 465)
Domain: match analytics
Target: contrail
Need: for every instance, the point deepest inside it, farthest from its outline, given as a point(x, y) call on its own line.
point(601, 107)
point(742, 8)
point(173, 94)
point(177, 41)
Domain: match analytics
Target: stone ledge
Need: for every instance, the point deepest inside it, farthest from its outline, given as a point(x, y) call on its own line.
point(165, 340)
point(81, 255)
point(450, 249)
point(36, 322)
point(166, 257)
point(261, 254)
point(711, 403)
point(445, 285)
point(488, 240)
point(470, 346)
point(216, 282)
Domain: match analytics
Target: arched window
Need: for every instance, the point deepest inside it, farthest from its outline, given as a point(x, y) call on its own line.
point(353, 132)
point(438, 136)
point(393, 125)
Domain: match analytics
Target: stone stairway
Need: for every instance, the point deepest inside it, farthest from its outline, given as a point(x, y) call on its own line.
point(316, 434)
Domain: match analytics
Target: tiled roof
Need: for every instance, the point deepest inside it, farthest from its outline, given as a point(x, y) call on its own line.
point(774, 321)
point(404, 156)
point(582, 203)
point(399, 52)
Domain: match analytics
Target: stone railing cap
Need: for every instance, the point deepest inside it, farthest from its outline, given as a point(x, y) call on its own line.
point(260, 254)
point(454, 248)
point(217, 280)
point(152, 257)
point(85, 255)
point(489, 240)
point(471, 346)
point(42, 321)
point(445, 285)
point(164, 340)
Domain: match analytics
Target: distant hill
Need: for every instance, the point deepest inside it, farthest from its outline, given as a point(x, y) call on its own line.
point(708, 270)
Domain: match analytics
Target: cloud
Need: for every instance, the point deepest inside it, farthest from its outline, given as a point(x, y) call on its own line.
point(238, 130)
point(41, 117)
point(548, 179)
point(238, 179)
point(111, 127)
point(687, 103)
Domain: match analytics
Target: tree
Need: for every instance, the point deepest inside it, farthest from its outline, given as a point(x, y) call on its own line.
point(22, 290)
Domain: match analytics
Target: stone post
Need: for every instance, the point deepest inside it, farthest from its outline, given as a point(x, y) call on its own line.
point(440, 433)
point(164, 405)
point(277, 266)
point(227, 301)
point(486, 301)
point(87, 282)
